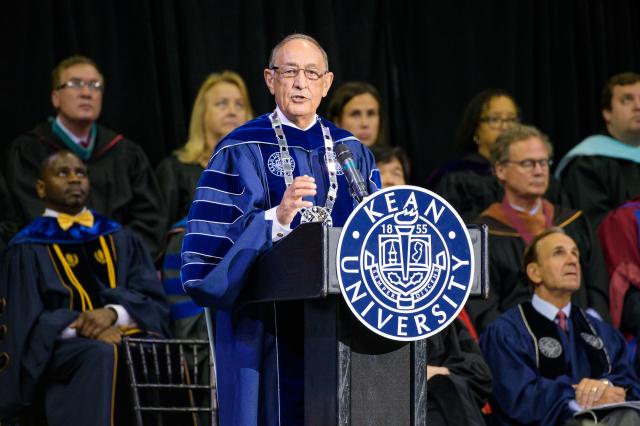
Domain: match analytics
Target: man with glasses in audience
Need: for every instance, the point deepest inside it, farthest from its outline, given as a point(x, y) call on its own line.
point(123, 187)
point(603, 171)
point(520, 158)
point(264, 179)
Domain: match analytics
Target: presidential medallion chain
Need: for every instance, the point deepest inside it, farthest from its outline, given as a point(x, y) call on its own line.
point(315, 213)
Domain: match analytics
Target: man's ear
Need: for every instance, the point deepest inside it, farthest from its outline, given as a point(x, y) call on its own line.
point(500, 171)
point(606, 115)
point(533, 272)
point(55, 99)
point(269, 78)
point(40, 189)
point(327, 80)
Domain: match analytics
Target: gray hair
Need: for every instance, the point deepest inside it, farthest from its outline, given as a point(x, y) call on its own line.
point(297, 36)
point(500, 149)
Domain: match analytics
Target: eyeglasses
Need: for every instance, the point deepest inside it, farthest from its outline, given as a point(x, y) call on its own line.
point(530, 164)
point(495, 121)
point(77, 83)
point(292, 72)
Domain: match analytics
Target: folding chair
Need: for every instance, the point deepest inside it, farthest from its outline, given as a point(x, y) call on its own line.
point(172, 381)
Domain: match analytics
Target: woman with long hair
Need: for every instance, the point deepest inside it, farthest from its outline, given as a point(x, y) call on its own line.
point(221, 105)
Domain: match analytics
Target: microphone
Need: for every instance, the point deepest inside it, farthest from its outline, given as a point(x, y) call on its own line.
point(351, 172)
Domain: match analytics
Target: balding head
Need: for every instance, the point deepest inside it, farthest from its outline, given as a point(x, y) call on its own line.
point(298, 36)
point(299, 78)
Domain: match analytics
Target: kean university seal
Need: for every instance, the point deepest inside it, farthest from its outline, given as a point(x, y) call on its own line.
point(405, 263)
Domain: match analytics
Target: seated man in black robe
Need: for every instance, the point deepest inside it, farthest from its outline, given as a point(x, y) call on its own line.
point(603, 171)
point(72, 283)
point(521, 156)
point(123, 186)
point(552, 361)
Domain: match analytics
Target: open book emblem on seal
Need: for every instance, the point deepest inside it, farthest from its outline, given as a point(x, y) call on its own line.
point(405, 262)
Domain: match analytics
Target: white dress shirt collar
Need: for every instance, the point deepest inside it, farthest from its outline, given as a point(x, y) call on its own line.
point(67, 132)
point(547, 309)
point(54, 213)
point(532, 212)
point(287, 122)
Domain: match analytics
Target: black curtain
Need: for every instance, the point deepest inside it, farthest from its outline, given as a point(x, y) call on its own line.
point(427, 58)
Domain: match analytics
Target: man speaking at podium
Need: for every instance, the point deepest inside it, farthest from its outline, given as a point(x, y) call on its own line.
point(265, 178)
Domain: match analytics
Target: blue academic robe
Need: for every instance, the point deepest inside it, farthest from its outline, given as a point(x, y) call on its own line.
point(38, 303)
point(521, 395)
point(258, 348)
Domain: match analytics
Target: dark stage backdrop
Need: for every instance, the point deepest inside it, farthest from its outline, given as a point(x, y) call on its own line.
point(426, 57)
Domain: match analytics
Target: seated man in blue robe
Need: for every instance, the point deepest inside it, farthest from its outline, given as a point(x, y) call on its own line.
point(264, 179)
point(72, 283)
point(549, 359)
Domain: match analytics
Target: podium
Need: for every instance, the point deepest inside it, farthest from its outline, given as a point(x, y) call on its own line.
point(352, 376)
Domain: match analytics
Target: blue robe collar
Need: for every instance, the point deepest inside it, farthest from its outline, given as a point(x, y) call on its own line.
point(45, 230)
point(601, 145)
point(259, 130)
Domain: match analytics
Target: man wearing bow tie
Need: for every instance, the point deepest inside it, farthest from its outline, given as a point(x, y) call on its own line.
point(72, 283)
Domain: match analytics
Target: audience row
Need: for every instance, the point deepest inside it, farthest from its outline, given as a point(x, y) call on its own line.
point(580, 228)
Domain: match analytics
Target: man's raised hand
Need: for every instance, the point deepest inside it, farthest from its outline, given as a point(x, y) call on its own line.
point(292, 202)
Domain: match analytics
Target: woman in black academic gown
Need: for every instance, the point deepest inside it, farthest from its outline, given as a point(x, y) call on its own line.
point(221, 105)
point(468, 183)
